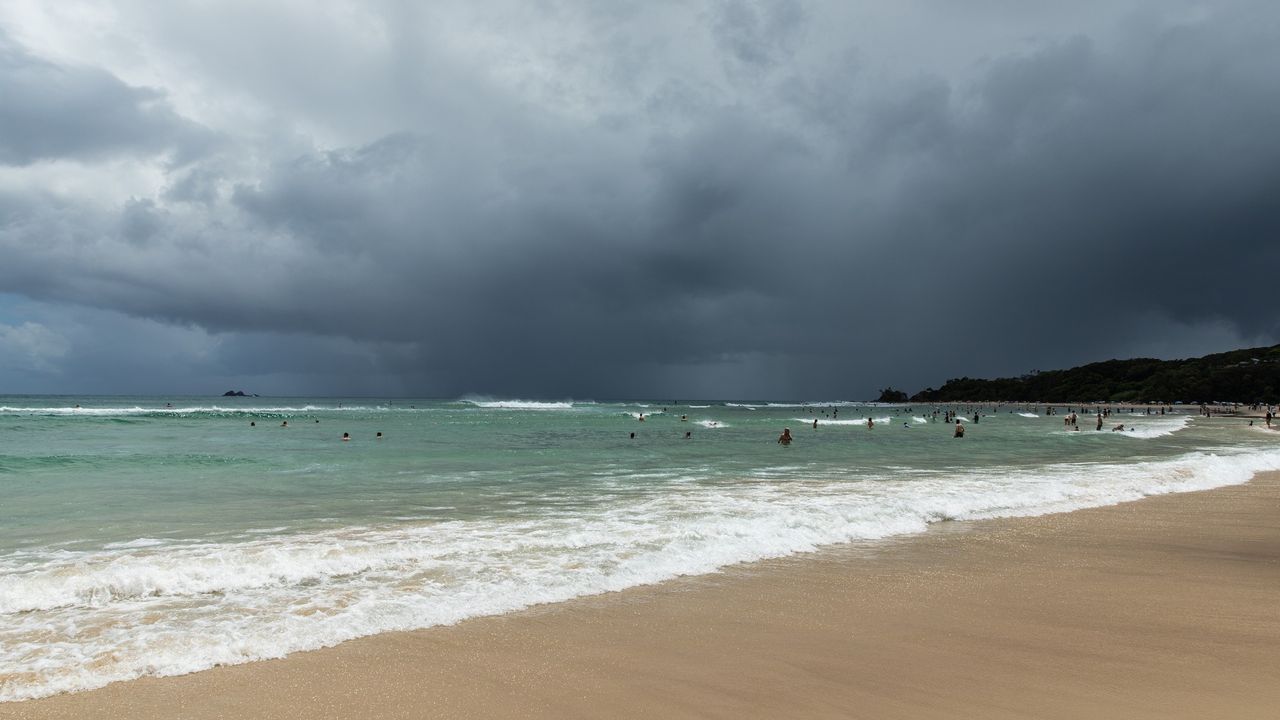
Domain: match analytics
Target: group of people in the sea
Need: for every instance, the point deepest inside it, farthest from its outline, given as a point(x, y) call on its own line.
point(346, 436)
point(1071, 419)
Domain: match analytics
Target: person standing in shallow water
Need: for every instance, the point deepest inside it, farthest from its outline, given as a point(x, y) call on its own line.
point(959, 429)
point(785, 437)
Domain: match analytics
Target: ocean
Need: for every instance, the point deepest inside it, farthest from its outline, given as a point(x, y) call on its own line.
point(158, 536)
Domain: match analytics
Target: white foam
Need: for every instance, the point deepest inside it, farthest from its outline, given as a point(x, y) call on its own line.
point(74, 620)
point(1145, 427)
point(175, 411)
point(138, 543)
point(837, 421)
point(521, 404)
point(713, 424)
point(1029, 415)
point(817, 404)
point(920, 419)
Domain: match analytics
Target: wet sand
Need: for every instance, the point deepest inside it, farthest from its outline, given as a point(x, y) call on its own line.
point(1164, 608)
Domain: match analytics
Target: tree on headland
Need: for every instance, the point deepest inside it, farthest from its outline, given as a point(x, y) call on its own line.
point(891, 395)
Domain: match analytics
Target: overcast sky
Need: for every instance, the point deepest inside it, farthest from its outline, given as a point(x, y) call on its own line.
point(667, 199)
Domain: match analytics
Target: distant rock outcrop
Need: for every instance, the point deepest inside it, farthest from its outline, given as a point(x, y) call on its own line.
point(234, 393)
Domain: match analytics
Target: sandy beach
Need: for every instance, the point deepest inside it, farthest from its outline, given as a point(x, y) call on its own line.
point(1164, 608)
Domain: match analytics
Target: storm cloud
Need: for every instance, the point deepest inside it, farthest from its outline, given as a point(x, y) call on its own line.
point(53, 111)
point(719, 199)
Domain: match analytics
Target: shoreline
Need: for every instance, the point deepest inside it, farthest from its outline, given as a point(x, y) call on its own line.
point(1161, 607)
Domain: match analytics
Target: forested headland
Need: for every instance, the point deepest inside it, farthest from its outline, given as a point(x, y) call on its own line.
point(1249, 376)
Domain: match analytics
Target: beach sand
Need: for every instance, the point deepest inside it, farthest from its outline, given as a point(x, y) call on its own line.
point(1164, 608)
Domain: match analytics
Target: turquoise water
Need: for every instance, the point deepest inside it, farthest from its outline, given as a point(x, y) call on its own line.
point(164, 535)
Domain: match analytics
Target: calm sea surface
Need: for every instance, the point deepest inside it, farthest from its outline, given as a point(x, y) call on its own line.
point(155, 536)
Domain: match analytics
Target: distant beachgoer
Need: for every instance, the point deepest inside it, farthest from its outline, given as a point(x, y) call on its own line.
point(959, 429)
point(346, 437)
point(1118, 428)
point(284, 424)
point(1099, 422)
point(684, 418)
point(1268, 418)
point(975, 417)
point(317, 421)
point(785, 437)
point(379, 435)
point(253, 424)
point(815, 423)
point(641, 418)
point(870, 423)
point(633, 436)
point(688, 434)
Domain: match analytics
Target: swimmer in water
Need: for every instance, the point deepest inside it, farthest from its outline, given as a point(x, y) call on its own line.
point(785, 437)
point(959, 429)
point(346, 437)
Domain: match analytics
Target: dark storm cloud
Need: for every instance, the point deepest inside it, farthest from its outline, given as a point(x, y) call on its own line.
point(52, 111)
point(807, 231)
point(757, 34)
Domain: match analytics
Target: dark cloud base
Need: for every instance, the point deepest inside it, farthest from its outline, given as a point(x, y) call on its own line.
point(1072, 203)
